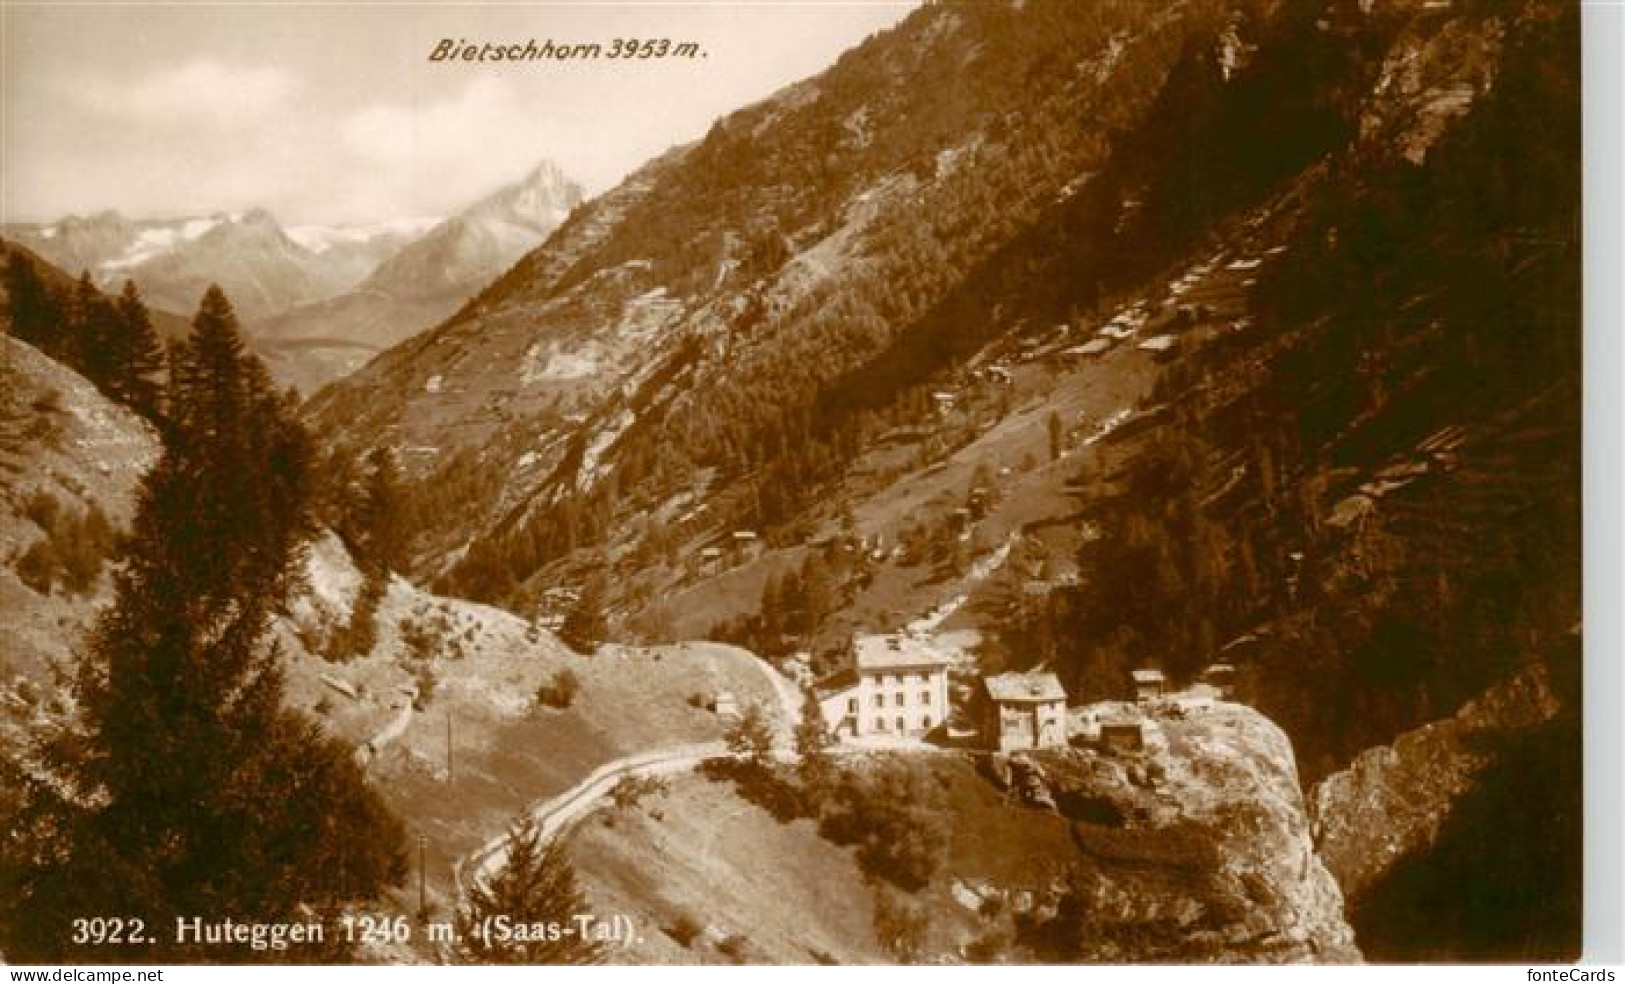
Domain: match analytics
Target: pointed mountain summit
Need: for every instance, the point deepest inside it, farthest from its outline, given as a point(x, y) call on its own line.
point(464, 252)
point(421, 284)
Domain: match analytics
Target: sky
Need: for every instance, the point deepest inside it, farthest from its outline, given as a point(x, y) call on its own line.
point(328, 114)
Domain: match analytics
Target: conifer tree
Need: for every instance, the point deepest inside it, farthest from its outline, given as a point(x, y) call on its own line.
point(96, 338)
point(36, 316)
point(586, 625)
point(184, 787)
point(751, 738)
point(141, 355)
point(535, 885)
point(813, 739)
point(382, 523)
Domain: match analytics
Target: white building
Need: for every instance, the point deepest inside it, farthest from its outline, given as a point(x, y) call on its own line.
point(897, 687)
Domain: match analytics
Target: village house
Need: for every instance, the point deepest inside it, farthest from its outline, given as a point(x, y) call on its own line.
point(896, 686)
point(1122, 735)
point(1222, 678)
point(1023, 710)
point(1149, 684)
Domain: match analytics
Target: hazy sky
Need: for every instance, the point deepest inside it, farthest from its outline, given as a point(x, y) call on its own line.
point(333, 113)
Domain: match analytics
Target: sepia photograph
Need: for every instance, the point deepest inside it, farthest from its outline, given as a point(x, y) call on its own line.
point(961, 482)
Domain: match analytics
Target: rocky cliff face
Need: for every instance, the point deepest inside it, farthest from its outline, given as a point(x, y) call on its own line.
point(1392, 801)
point(1196, 848)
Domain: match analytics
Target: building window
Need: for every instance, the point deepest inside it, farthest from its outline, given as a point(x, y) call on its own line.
point(901, 726)
point(852, 705)
point(880, 700)
point(925, 722)
point(880, 724)
point(925, 696)
point(897, 699)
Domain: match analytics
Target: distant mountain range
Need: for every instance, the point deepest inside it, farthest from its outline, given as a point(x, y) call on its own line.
point(318, 300)
point(262, 266)
point(419, 284)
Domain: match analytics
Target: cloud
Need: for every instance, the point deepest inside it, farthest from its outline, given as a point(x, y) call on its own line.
point(438, 153)
point(199, 90)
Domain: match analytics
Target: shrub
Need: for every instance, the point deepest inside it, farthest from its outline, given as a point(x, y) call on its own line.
point(38, 566)
point(560, 691)
point(899, 925)
point(423, 675)
point(684, 928)
point(631, 790)
point(72, 551)
point(896, 821)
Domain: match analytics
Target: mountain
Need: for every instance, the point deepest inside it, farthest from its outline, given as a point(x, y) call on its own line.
point(1123, 335)
point(167, 325)
point(418, 285)
point(72, 463)
point(259, 264)
point(463, 253)
point(353, 252)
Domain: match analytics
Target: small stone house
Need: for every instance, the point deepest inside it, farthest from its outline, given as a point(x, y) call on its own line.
point(1022, 710)
point(1222, 678)
point(1149, 684)
point(1123, 735)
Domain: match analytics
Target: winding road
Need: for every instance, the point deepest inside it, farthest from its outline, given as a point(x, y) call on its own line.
point(555, 814)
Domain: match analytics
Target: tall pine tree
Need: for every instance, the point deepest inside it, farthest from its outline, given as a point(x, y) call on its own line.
point(184, 787)
point(36, 315)
point(536, 884)
point(140, 355)
point(96, 343)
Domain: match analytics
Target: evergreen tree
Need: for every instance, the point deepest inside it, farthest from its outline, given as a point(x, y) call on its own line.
point(751, 738)
point(382, 526)
point(141, 355)
point(95, 346)
point(586, 626)
point(184, 787)
point(813, 739)
point(536, 884)
point(36, 314)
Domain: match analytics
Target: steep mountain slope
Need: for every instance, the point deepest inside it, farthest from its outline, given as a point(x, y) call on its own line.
point(442, 670)
point(1211, 862)
point(173, 261)
point(65, 452)
point(1045, 327)
point(802, 232)
point(418, 285)
point(166, 324)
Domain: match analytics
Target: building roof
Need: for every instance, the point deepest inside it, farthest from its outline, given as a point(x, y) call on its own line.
point(842, 679)
point(1024, 687)
point(895, 651)
point(1148, 676)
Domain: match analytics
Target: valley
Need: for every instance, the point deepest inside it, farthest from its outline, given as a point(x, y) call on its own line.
point(1065, 484)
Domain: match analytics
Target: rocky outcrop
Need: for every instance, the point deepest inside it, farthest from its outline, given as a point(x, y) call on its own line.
point(1393, 800)
point(1195, 848)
